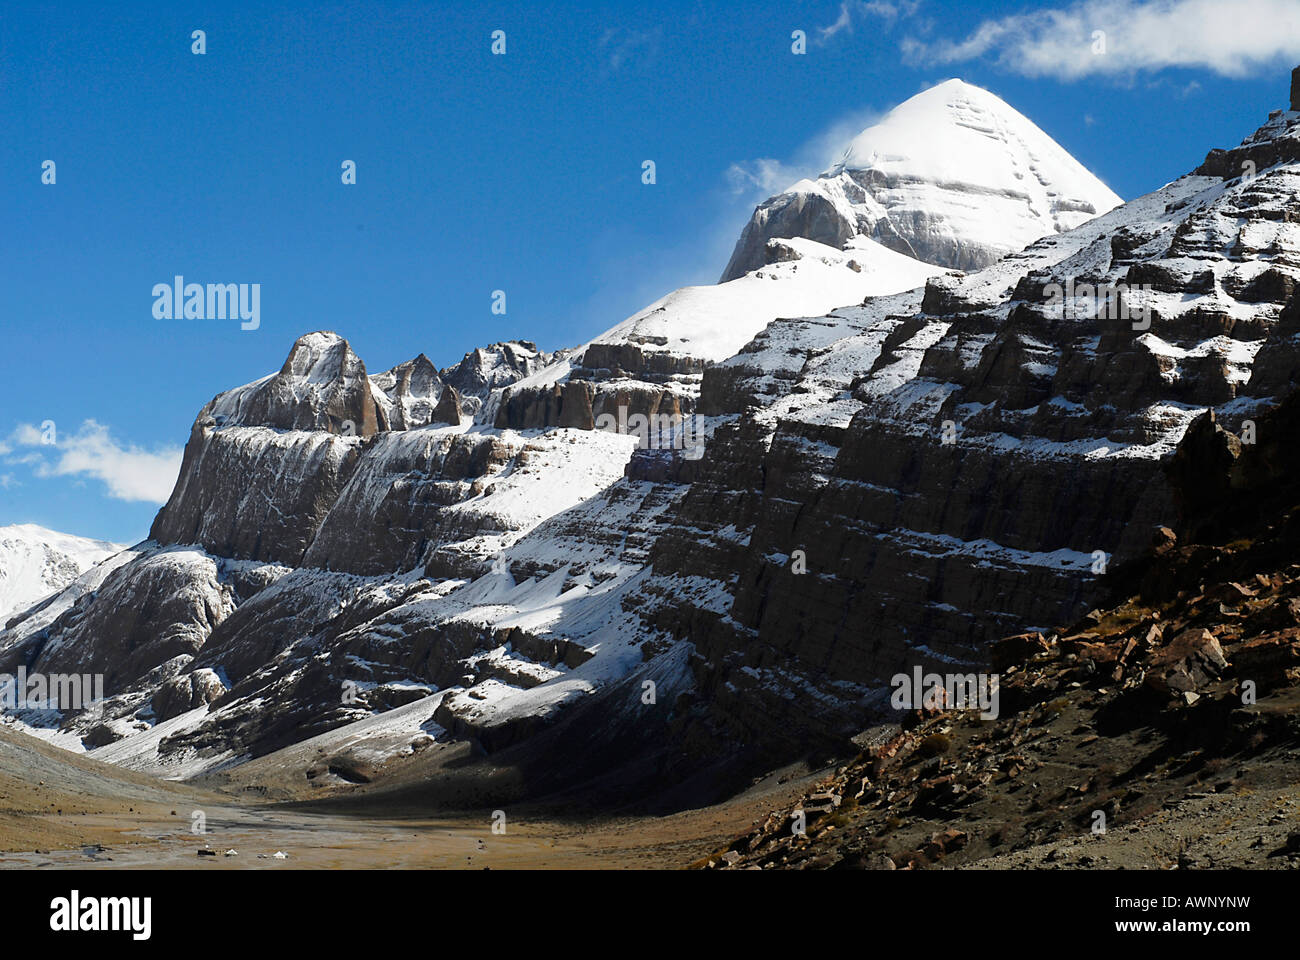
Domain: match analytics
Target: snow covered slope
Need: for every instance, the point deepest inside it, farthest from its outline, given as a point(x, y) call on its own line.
point(804, 278)
point(35, 562)
point(652, 362)
point(954, 176)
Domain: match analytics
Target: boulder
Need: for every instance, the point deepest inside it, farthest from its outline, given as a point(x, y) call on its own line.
point(1271, 661)
point(187, 692)
point(1191, 660)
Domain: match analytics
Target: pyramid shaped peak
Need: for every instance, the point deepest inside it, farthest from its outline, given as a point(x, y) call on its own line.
point(953, 176)
point(322, 386)
point(958, 132)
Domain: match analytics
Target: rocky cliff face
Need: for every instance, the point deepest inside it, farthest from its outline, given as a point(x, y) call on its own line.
point(1172, 703)
point(413, 389)
point(267, 464)
point(893, 483)
point(293, 490)
point(490, 368)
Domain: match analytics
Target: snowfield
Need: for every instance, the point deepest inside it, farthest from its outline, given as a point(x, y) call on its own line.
point(36, 562)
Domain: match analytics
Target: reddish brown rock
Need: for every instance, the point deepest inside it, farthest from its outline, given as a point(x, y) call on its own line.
point(448, 409)
point(1191, 660)
point(1271, 661)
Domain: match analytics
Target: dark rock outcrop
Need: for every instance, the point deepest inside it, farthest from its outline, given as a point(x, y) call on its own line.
point(252, 493)
point(808, 215)
point(491, 368)
point(448, 409)
point(186, 692)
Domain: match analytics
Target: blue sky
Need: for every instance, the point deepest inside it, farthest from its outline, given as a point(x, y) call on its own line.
point(478, 172)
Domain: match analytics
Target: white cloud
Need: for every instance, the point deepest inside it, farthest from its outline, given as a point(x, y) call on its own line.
point(7, 480)
point(25, 435)
point(129, 472)
point(24, 460)
point(843, 22)
point(766, 175)
point(1231, 39)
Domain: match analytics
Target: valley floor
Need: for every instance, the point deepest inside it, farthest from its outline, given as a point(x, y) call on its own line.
point(66, 811)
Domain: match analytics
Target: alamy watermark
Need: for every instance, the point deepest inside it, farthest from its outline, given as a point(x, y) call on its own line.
point(661, 431)
point(53, 691)
point(75, 913)
point(1102, 301)
point(179, 300)
point(950, 691)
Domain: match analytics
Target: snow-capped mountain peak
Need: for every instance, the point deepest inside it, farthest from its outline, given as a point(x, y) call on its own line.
point(953, 176)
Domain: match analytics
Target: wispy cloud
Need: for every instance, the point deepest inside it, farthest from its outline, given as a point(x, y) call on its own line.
point(1124, 37)
point(761, 178)
point(766, 175)
point(886, 12)
point(127, 471)
point(843, 22)
point(622, 47)
point(25, 435)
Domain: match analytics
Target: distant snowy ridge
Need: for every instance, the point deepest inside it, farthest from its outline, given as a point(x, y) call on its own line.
point(35, 562)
